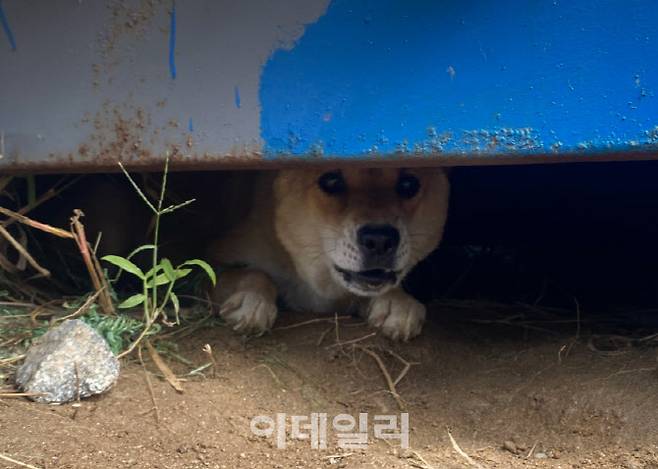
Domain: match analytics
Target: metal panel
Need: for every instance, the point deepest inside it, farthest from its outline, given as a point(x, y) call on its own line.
point(84, 84)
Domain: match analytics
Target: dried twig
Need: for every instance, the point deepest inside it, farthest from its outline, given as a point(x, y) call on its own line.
point(76, 369)
point(59, 187)
point(405, 369)
point(98, 280)
point(82, 309)
point(274, 376)
point(9, 361)
point(311, 321)
point(532, 450)
point(423, 462)
point(34, 224)
point(207, 349)
point(11, 395)
point(23, 252)
point(42, 310)
point(387, 376)
point(147, 328)
point(323, 335)
point(18, 463)
point(197, 371)
point(333, 458)
point(164, 368)
point(352, 341)
point(17, 304)
point(22, 238)
point(461, 452)
point(149, 385)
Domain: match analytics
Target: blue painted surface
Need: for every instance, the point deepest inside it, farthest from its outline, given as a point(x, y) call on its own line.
point(172, 42)
point(7, 29)
point(236, 97)
point(466, 75)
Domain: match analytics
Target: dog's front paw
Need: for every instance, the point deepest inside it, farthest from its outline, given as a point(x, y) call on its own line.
point(249, 312)
point(398, 315)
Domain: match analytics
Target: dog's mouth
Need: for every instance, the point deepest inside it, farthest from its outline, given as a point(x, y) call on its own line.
point(371, 280)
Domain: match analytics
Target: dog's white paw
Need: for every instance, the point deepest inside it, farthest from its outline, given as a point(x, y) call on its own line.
point(249, 312)
point(398, 315)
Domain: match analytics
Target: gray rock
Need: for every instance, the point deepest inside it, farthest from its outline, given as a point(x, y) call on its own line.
point(68, 361)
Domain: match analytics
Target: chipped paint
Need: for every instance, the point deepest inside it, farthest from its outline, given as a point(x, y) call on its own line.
point(107, 60)
point(236, 97)
point(582, 84)
point(7, 29)
point(318, 81)
point(172, 41)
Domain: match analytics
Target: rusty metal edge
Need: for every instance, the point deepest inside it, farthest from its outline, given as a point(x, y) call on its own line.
point(256, 162)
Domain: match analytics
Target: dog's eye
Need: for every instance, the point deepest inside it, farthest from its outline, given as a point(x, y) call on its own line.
point(332, 183)
point(408, 186)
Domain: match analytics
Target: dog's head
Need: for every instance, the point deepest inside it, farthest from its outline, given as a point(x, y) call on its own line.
point(366, 227)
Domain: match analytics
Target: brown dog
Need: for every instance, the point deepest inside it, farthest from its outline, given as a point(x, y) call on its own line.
point(331, 241)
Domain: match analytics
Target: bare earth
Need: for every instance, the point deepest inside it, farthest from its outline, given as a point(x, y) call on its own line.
point(511, 397)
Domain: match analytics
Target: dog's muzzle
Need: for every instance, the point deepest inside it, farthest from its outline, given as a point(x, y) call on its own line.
point(378, 244)
point(371, 280)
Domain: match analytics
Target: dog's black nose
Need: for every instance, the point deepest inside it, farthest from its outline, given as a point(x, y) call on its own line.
point(378, 240)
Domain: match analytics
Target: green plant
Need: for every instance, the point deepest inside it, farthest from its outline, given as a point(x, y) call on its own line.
point(116, 330)
point(162, 275)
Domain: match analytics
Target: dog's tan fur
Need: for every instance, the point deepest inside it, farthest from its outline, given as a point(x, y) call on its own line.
point(294, 232)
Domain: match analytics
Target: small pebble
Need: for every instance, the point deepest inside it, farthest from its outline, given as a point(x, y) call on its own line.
point(540, 455)
point(510, 446)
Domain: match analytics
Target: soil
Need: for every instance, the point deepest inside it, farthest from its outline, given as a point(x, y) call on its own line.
point(510, 396)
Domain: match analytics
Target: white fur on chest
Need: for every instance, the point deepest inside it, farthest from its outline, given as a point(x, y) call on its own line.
point(300, 295)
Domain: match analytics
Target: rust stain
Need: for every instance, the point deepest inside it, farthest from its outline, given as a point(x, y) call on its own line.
point(253, 160)
point(118, 135)
point(127, 20)
point(127, 134)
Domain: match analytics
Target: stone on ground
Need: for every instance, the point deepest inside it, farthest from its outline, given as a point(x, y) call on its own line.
point(69, 362)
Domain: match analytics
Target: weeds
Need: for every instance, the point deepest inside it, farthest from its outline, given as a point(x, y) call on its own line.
point(162, 275)
point(20, 324)
point(116, 330)
point(18, 330)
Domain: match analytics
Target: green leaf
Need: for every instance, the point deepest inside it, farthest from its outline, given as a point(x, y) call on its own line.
point(205, 266)
point(124, 264)
point(168, 269)
point(140, 249)
point(174, 300)
point(160, 279)
point(180, 273)
point(133, 301)
point(152, 271)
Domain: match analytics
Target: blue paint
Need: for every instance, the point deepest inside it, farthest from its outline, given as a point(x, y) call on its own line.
point(190, 125)
point(7, 28)
point(236, 97)
point(172, 42)
point(383, 76)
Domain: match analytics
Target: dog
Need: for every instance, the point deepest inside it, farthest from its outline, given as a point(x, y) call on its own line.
point(330, 241)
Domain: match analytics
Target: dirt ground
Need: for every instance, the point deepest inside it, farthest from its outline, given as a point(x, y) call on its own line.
point(510, 396)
